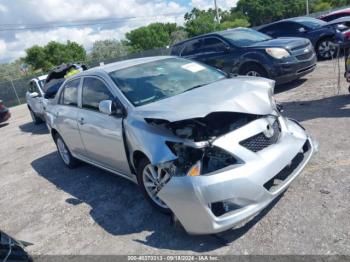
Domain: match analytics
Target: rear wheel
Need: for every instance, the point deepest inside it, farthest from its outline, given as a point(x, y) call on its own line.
point(36, 120)
point(66, 156)
point(253, 70)
point(326, 49)
point(151, 180)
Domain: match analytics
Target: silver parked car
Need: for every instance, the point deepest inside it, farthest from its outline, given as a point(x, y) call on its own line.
point(213, 150)
point(35, 98)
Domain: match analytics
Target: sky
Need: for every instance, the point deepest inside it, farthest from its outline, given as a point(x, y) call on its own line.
point(115, 18)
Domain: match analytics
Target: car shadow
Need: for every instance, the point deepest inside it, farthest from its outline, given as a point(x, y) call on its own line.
point(118, 206)
point(30, 127)
point(288, 86)
point(3, 124)
point(328, 107)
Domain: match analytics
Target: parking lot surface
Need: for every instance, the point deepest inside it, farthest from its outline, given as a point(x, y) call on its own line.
point(89, 211)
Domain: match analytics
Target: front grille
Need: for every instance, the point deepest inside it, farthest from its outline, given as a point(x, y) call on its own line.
point(305, 56)
point(300, 47)
point(276, 181)
point(261, 141)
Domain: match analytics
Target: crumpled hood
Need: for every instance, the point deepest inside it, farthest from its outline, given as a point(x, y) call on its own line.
point(240, 94)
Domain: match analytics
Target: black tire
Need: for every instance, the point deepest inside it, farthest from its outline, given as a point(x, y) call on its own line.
point(253, 70)
point(325, 55)
point(143, 163)
point(70, 161)
point(36, 120)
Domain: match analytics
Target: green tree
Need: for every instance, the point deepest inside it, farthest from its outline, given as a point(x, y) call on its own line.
point(105, 49)
point(152, 36)
point(239, 22)
point(36, 57)
point(261, 11)
point(198, 22)
point(293, 8)
point(178, 36)
point(53, 54)
point(11, 70)
point(321, 6)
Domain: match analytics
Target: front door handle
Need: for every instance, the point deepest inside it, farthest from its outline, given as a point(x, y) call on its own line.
point(81, 121)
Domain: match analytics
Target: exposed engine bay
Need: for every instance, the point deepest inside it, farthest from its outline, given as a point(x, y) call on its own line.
point(208, 127)
point(207, 157)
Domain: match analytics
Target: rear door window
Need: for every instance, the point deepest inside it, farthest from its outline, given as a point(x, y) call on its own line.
point(273, 30)
point(291, 29)
point(213, 45)
point(69, 95)
point(192, 48)
point(94, 91)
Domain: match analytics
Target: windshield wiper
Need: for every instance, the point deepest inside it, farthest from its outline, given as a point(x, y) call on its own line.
point(197, 86)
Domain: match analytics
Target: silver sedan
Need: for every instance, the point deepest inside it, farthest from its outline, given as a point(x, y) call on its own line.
point(212, 149)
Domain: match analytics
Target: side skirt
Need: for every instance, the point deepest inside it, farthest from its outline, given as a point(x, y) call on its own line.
point(131, 178)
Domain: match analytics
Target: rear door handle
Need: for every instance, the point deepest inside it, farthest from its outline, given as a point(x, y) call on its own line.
point(81, 121)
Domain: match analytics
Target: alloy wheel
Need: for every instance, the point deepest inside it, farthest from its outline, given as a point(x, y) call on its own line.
point(154, 178)
point(62, 149)
point(326, 49)
point(253, 73)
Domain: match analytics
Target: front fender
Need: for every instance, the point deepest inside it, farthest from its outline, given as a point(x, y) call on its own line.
point(150, 140)
point(257, 57)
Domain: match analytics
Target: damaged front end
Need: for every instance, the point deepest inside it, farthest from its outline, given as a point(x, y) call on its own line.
point(195, 154)
point(227, 165)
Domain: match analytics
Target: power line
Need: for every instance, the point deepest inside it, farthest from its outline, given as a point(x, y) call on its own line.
point(21, 27)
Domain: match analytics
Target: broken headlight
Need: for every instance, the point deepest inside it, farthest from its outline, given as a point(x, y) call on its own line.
point(198, 161)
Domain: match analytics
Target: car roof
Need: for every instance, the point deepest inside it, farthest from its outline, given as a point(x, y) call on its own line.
point(217, 33)
point(123, 64)
point(345, 11)
point(293, 19)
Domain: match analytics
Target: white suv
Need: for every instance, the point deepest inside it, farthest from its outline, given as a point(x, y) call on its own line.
point(35, 99)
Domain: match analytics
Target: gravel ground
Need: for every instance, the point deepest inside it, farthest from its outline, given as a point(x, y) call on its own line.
point(89, 211)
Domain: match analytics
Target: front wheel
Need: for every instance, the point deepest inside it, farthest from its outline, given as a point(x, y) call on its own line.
point(151, 180)
point(253, 70)
point(326, 49)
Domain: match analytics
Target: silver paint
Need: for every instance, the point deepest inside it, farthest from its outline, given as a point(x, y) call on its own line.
point(100, 139)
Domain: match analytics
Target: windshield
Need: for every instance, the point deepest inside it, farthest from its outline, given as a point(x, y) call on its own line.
point(244, 37)
point(146, 83)
point(309, 22)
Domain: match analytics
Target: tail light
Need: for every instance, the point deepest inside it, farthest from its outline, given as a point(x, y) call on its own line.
point(1, 105)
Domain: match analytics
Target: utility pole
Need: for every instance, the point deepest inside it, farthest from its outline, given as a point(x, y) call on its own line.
point(307, 7)
point(217, 12)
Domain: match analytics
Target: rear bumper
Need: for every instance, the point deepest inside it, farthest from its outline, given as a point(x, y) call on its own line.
point(243, 189)
point(287, 72)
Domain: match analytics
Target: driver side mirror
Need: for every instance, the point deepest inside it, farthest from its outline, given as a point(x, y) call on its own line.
point(34, 95)
point(302, 30)
point(227, 48)
point(106, 107)
point(109, 107)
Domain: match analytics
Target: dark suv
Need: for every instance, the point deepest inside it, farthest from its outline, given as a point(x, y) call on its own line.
point(248, 52)
point(322, 35)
